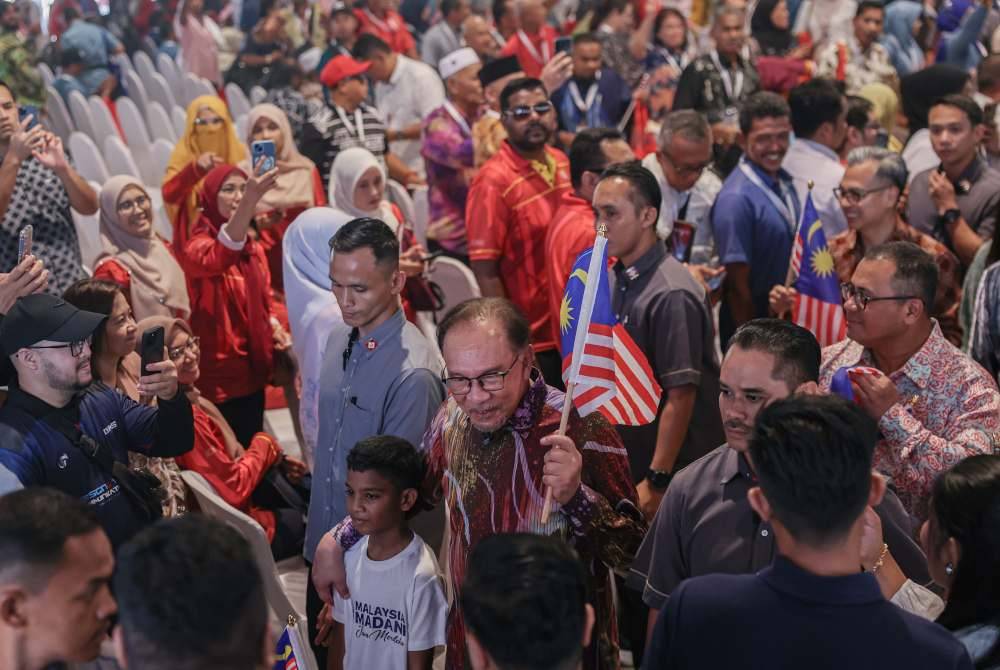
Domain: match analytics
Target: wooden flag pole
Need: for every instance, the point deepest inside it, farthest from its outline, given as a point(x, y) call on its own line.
point(791, 276)
point(579, 343)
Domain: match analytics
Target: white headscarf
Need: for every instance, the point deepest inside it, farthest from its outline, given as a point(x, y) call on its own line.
point(348, 168)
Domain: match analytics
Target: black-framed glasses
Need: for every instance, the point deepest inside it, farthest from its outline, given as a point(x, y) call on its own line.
point(861, 297)
point(521, 112)
point(130, 205)
point(685, 170)
point(856, 195)
point(75, 348)
point(490, 381)
point(193, 344)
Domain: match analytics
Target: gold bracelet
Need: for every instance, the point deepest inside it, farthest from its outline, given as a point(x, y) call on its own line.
point(881, 558)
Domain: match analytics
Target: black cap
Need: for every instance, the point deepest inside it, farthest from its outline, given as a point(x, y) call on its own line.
point(38, 317)
point(498, 69)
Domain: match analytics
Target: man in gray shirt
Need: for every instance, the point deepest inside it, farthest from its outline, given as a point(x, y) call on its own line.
point(444, 36)
point(380, 375)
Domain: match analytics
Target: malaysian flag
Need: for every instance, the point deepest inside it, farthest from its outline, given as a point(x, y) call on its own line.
point(612, 376)
point(817, 305)
point(288, 651)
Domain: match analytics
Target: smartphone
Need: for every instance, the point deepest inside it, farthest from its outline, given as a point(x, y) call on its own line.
point(24, 242)
point(26, 110)
point(715, 282)
point(151, 349)
point(564, 44)
point(263, 149)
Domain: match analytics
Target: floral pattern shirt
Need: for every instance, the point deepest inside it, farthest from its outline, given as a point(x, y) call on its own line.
point(448, 157)
point(949, 409)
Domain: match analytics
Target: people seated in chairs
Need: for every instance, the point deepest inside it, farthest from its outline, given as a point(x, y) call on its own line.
point(115, 363)
point(135, 257)
point(257, 477)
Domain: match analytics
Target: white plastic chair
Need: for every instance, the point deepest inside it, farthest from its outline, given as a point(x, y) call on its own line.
point(133, 125)
point(241, 127)
point(168, 68)
point(179, 117)
point(159, 157)
point(456, 280)
point(82, 116)
point(120, 159)
point(87, 157)
point(143, 65)
point(239, 105)
point(284, 583)
point(136, 91)
point(257, 95)
point(104, 125)
point(195, 86)
point(88, 233)
point(159, 91)
point(48, 76)
point(160, 124)
point(399, 196)
point(61, 123)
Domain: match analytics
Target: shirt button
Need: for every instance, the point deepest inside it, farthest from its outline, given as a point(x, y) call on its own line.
point(328, 480)
point(763, 533)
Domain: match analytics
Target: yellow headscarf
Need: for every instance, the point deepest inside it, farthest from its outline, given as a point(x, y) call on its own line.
point(220, 140)
point(885, 101)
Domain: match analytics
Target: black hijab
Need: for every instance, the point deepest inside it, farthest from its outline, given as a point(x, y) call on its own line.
point(773, 41)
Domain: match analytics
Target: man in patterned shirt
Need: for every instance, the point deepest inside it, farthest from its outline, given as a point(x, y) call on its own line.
point(860, 59)
point(491, 451)
point(934, 405)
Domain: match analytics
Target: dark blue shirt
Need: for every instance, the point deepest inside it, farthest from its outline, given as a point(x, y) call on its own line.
point(750, 229)
point(612, 99)
point(785, 617)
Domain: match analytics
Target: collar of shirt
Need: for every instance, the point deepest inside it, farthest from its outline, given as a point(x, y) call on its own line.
point(571, 199)
point(645, 264)
point(855, 589)
point(399, 71)
point(736, 466)
point(920, 365)
point(37, 407)
point(826, 151)
point(971, 174)
point(385, 332)
point(529, 409)
point(771, 182)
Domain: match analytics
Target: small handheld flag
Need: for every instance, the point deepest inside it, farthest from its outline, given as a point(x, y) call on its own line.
point(817, 305)
point(288, 651)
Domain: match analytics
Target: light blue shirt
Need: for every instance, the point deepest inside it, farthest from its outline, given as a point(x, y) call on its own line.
point(95, 44)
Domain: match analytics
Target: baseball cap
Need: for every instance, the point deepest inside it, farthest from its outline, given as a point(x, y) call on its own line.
point(38, 317)
point(498, 69)
point(340, 68)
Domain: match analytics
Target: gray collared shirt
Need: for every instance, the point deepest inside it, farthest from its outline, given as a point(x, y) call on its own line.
point(977, 195)
point(390, 384)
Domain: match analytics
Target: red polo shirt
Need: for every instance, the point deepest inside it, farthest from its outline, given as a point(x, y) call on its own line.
point(544, 43)
point(390, 28)
point(508, 212)
point(571, 233)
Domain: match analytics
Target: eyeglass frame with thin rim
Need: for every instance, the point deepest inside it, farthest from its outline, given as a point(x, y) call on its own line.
point(192, 344)
point(501, 375)
point(839, 193)
point(78, 346)
point(849, 290)
point(214, 121)
point(139, 202)
point(683, 170)
point(532, 109)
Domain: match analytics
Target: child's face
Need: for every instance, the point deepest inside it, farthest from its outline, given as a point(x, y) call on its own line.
point(374, 503)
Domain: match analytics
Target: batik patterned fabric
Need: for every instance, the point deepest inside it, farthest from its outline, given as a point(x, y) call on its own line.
point(492, 483)
point(447, 152)
point(949, 408)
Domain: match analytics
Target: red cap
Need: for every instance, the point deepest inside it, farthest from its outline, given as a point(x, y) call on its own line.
point(340, 68)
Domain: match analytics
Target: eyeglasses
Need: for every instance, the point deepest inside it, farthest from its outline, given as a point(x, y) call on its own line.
point(193, 344)
point(75, 348)
point(129, 206)
point(685, 170)
point(522, 112)
point(490, 381)
point(861, 298)
point(214, 121)
point(856, 195)
point(232, 189)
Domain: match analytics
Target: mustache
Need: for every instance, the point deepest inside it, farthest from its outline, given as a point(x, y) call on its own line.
point(736, 425)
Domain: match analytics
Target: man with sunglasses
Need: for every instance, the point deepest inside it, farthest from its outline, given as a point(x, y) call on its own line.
point(60, 429)
point(492, 449)
point(869, 195)
point(934, 405)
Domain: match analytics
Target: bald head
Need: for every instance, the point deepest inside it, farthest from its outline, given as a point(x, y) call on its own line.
point(477, 35)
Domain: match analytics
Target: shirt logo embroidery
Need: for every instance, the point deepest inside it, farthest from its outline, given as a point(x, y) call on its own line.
point(63, 461)
point(110, 427)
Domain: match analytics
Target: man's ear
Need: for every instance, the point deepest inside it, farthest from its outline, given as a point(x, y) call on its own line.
point(649, 217)
point(980, 132)
point(758, 501)
point(877, 491)
point(408, 499)
point(398, 282)
point(13, 600)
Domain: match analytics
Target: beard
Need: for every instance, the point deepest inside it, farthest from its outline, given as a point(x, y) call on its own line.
point(529, 139)
point(77, 379)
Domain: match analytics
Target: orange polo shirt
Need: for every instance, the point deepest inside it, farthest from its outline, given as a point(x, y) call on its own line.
point(571, 233)
point(391, 29)
point(544, 42)
point(508, 212)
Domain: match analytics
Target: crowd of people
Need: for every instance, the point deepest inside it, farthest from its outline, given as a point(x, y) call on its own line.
point(840, 487)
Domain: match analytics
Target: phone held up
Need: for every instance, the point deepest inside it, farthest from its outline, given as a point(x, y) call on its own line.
point(263, 149)
point(151, 349)
point(24, 241)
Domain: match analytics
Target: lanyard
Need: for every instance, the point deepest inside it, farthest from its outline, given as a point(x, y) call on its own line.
point(359, 120)
point(379, 23)
point(581, 104)
point(785, 206)
point(680, 210)
point(674, 62)
point(733, 90)
point(455, 114)
point(540, 59)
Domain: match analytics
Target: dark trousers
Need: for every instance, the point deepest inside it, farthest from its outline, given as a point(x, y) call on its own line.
point(289, 533)
point(313, 607)
point(550, 364)
point(434, 247)
point(245, 415)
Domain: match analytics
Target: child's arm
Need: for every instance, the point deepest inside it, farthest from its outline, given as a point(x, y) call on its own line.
point(420, 660)
point(335, 652)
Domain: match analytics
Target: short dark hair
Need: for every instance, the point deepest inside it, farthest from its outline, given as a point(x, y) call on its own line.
point(585, 153)
point(963, 103)
point(367, 45)
point(499, 9)
point(98, 296)
point(448, 6)
point(368, 233)
point(797, 354)
point(645, 188)
point(858, 111)
point(865, 5)
point(164, 579)
point(586, 38)
point(35, 524)
point(69, 14)
point(391, 457)
point(762, 105)
point(518, 85)
point(603, 10)
point(813, 458)
point(524, 599)
point(812, 104)
point(916, 272)
point(988, 73)
point(70, 57)
point(514, 323)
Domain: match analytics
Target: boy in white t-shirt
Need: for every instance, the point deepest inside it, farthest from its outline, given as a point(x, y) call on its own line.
point(397, 611)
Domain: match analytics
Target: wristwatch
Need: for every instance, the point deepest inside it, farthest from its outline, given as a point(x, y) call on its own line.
point(659, 479)
point(950, 217)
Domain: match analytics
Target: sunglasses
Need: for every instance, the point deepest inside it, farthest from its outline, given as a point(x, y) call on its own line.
point(522, 112)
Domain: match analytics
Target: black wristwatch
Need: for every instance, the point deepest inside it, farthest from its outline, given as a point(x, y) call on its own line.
point(950, 217)
point(659, 479)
